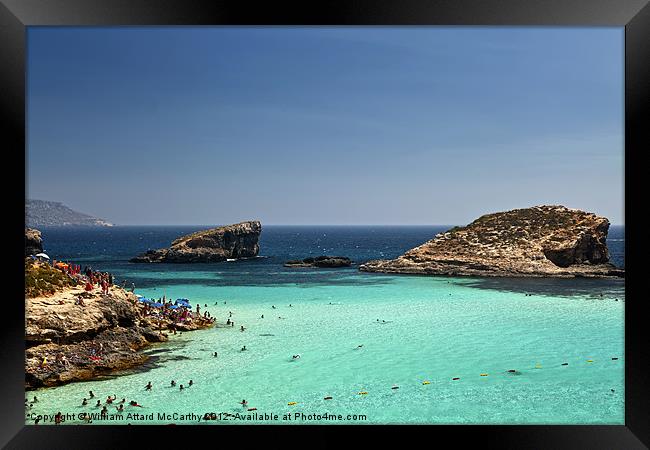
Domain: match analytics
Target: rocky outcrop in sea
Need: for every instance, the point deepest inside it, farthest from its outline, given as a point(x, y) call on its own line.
point(33, 242)
point(542, 241)
point(320, 261)
point(213, 245)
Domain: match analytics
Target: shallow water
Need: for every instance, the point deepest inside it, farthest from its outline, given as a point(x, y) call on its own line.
point(436, 329)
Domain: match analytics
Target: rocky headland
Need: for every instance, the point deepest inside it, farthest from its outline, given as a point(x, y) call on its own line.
point(213, 245)
point(542, 241)
point(320, 261)
point(41, 213)
point(72, 334)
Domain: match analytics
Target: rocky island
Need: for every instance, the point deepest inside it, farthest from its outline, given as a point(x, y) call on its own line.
point(213, 245)
point(542, 241)
point(320, 261)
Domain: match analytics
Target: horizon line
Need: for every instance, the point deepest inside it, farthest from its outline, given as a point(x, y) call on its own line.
point(268, 225)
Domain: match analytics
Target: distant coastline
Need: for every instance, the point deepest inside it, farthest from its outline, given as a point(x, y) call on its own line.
point(42, 213)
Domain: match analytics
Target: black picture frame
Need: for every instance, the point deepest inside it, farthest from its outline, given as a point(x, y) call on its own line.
point(634, 15)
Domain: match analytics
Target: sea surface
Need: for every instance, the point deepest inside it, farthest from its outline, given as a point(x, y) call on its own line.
point(359, 335)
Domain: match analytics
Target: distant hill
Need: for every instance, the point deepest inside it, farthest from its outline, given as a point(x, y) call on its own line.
point(41, 213)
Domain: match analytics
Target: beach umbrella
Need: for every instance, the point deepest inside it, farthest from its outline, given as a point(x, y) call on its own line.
point(156, 304)
point(139, 296)
point(173, 306)
point(42, 255)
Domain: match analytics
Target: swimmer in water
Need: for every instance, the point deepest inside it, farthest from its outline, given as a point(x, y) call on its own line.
point(215, 354)
point(296, 356)
point(262, 316)
point(84, 402)
point(190, 383)
point(290, 305)
point(243, 349)
point(242, 328)
point(174, 383)
point(148, 386)
point(273, 306)
point(99, 403)
point(181, 388)
point(90, 394)
point(244, 403)
point(360, 346)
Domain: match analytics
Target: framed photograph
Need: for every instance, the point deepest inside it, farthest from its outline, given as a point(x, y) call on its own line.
point(294, 220)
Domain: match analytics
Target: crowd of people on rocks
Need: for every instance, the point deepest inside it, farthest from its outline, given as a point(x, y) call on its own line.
point(163, 309)
point(87, 276)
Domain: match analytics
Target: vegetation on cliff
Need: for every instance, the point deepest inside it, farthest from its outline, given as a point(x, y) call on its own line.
point(41, 279)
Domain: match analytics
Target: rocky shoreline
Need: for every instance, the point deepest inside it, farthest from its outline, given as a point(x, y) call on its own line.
point(542, 241)
point(213, 245)
point(67, 341)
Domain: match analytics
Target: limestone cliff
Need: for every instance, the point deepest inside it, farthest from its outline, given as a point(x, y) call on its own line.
point(69, 342)
point(33, 242)
point(213, 245)
point(542, 241)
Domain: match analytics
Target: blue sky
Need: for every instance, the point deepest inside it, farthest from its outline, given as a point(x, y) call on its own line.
point(302, 125)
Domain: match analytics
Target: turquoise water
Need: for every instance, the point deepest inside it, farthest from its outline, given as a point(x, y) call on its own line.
point(435, 329)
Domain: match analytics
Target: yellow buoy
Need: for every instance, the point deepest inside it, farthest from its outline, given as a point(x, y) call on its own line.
point(484, 374)
point(363, 393)
point(426, 382)
point(538, 366)
point(590, 360)
point(292, 403)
